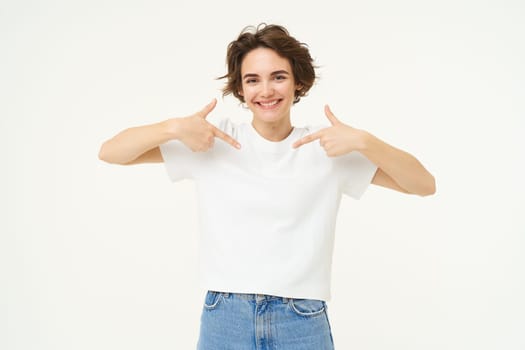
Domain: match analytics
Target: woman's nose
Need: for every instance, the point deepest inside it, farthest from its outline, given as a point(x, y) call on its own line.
point(267, 89)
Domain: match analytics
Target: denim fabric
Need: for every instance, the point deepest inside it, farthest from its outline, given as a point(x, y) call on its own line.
point(232, 321)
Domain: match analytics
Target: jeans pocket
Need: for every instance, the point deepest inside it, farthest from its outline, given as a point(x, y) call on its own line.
point(212, 299)
point(307, 307)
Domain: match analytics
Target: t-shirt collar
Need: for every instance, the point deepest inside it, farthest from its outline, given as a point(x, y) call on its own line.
point(268, 146)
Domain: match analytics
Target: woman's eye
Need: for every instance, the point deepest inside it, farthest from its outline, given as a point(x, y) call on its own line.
point(280, 77)
point(251, 81)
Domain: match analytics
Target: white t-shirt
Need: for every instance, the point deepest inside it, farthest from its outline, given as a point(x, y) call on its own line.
point(268, 211)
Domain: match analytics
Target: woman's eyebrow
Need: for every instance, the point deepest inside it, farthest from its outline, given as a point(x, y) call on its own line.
point(277, 72)
point(250, 75)
point(280, 72)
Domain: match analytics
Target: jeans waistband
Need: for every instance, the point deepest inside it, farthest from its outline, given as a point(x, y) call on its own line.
point(255, 297)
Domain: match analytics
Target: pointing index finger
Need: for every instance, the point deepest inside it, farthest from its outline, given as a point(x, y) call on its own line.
point(225, 137)
point(307, 139)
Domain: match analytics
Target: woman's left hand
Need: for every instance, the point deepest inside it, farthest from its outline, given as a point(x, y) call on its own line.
point(337, 139)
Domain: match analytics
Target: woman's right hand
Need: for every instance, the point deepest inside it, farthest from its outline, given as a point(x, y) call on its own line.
point(197, 133)
point(140, 144)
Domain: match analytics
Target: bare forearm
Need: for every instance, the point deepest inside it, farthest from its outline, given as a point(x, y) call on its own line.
point(129, 144)
point(401, 166)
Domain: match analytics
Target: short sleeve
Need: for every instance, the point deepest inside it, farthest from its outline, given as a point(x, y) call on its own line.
point(182, 163)
point(356, 173)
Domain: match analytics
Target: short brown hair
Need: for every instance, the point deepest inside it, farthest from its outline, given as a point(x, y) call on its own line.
point(274, 37)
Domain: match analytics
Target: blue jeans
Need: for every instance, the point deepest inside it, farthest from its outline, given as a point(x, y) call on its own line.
point(232, 321)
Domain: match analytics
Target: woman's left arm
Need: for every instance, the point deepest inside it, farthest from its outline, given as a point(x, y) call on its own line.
point(397, 169)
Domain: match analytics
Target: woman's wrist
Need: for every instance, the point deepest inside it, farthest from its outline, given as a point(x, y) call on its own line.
point(364, 140)
point(171, 128)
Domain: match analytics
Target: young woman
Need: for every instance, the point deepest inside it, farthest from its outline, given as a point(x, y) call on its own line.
point(268, 195)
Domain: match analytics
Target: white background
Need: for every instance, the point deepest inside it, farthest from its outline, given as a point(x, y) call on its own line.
point(99, 256)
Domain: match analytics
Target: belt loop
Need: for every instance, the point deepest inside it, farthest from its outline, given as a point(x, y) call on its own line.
point(226, 294)
point(285, 300)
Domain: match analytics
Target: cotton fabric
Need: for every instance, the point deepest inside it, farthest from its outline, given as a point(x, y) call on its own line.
point(268, 211)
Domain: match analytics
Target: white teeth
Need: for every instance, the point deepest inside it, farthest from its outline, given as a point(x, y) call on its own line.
point(268, 104)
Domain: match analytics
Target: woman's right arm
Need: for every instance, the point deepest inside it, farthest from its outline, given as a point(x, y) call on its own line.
point(141, 144)
point(138, 144)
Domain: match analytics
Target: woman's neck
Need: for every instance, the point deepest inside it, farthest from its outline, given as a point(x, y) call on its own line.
point(276, 131)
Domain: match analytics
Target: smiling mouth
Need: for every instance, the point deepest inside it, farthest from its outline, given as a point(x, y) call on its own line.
point(269, 104)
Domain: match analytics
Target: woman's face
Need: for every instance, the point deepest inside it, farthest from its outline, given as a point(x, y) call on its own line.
point(268, 86)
